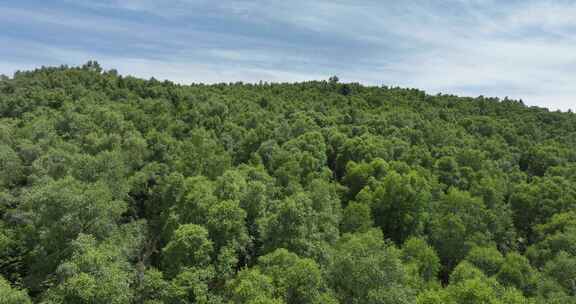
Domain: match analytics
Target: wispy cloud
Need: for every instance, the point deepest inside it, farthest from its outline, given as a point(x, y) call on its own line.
point(520, 49)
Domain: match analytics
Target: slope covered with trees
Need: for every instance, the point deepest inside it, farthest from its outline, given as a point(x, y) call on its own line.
point(120, 190)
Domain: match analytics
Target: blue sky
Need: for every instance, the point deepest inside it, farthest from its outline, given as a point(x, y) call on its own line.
point(521, 49)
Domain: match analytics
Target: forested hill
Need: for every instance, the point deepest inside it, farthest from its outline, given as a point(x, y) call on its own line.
point(115, 189)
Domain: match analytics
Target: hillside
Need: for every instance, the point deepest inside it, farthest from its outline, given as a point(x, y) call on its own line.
point(115, 189)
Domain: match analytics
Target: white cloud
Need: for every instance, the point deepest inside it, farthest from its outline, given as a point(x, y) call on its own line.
point(546, 14)
point(484, 54)
point(186, 72)
point(505, 48)
point(178, 69)
point(52, 17)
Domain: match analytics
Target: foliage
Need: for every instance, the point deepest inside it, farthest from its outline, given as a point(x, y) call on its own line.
point(115, 189)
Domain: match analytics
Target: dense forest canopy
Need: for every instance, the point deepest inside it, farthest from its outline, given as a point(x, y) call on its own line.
point(115, 189)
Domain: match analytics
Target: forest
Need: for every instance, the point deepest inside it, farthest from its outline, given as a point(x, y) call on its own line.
point(115, 189)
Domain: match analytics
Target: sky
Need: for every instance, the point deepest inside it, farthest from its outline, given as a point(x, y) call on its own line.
point(507, 48)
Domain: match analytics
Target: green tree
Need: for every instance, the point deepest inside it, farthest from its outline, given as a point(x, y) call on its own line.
point(226, 222)
point(416, 252)
point(188, 247)
point(151, 286)
point(10, 295)
point(363, 266)
point(304, 223)
point(516, 271)
point(487, 259)
point(358, 175)
point(458, 222)
point(60, 211)
point(400, 205)
point(191, 285)
point(357, 217)
point(11, 167)
point(563, 270)
point(296, 280)
point(537, 202)
point(251, 286)
point(94, 274)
